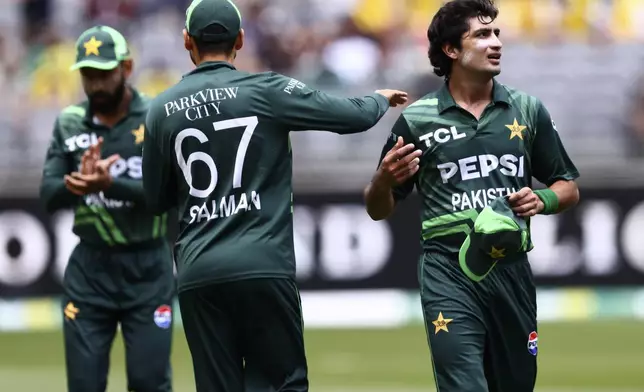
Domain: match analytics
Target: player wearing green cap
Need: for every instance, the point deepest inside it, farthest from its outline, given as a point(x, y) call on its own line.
point(121, 270)
point(471, 144)
point(217, 147)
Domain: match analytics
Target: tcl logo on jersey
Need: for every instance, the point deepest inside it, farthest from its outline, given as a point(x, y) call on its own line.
point(131, 165)
point(480, 166)
point(442, 135)
point(82, 141)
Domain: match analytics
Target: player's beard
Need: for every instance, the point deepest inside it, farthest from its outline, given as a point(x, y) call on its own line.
point(106, 103)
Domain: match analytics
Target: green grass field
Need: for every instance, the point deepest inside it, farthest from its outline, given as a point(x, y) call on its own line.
point(584, 356)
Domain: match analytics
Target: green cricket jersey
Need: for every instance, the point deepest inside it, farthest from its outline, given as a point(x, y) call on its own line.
point(217, 146)
point(466, 162)
point(116, 216)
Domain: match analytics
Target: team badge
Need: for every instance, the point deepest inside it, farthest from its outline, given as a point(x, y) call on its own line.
point(91, 47)
point(70, 311)
point(532, 343)
point(139, 134)
point(163, 316)
point(440, 324)
point(516, 130)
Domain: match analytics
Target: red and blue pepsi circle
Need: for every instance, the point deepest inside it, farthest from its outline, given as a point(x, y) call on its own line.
point(163, 316)
point(533, 338)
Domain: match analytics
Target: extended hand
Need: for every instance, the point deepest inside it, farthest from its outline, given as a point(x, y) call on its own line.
point(84, 184)
point(525, 203)
point(90, 157)
point(395, 97)
point(400, 163)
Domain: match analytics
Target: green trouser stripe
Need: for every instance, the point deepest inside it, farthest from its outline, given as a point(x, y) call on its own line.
point(299, 303)
point(159, 225)
point(98, 225)
point(109, 222)
point(449, 224)
point(156, 226)
point(431, 353)
point(421, 264)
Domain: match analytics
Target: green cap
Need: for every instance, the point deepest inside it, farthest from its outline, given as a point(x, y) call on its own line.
point(100, 47)
point(498, 235)
point(221, 13)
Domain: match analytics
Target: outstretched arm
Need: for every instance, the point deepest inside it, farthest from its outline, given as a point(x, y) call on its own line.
point(300, 107)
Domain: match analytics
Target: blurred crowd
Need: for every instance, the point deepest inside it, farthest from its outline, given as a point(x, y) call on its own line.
point(349, 47)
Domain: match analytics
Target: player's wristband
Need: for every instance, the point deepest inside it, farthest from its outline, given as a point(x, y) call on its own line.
point(549, 199)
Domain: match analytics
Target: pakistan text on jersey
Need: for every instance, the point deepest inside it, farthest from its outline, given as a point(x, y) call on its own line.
point(202, 103)
point(481, 166)
point(227, 206)
point(99, 200)
point(479, 198)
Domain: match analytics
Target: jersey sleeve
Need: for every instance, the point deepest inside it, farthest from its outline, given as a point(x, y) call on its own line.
point(159, 185)
point(126, 189)
point(400, 128)
point(53, 193)
point(299, 107)
point(550, 161)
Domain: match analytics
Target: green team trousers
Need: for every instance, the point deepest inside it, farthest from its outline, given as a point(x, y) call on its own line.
point(103, 288)
point(482, 336)
point(246, 336)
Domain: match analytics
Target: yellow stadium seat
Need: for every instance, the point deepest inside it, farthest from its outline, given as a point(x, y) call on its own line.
point(51, 81)
point(575, 17)
point(624, 18)
point(374, 15)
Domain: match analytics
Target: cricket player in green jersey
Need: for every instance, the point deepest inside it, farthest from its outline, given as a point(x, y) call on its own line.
point(217, 147)
point(121, 270)
point(471, 150)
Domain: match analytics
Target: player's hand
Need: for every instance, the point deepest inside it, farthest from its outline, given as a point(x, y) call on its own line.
point(90, 157)
point(525, 203)
point(101, 179)
point(395, 97)
point(102, 166)
point(399, 164)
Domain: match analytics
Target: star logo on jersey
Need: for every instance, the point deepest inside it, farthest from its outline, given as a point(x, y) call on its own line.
point(91, 46)
point(516, 130)
point(138, 134)
point(440, 323)
point(497, 253)
point(70, 311)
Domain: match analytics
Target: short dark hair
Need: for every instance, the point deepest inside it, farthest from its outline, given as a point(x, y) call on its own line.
point(448, 26)
point(215, 47)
